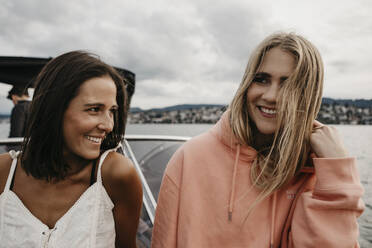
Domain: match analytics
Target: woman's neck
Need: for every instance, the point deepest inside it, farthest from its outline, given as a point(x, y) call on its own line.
point(261, 141)
point(76, 164)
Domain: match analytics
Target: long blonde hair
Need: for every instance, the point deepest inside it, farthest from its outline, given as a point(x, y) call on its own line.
point(297, 107)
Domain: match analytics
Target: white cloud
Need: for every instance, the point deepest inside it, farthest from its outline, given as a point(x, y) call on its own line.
point(192, 51)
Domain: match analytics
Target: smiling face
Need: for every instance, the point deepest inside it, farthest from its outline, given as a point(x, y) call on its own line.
point(262, 94)
point(89, 118)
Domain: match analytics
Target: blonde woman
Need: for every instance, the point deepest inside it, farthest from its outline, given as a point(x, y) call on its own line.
point(267, 174)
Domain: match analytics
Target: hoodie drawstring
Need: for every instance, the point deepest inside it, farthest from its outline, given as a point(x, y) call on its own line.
point(232, 196)
point(272, 226)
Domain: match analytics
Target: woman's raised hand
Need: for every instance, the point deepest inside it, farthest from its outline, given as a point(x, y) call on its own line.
point(326, 142)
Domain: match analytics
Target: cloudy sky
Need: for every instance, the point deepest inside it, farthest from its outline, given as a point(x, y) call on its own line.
point(191, 51)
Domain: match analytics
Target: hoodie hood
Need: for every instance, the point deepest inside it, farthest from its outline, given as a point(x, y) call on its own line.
point(222, 130)
point(224, 134)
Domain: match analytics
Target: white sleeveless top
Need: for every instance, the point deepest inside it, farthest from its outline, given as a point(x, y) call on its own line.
point(88, 223)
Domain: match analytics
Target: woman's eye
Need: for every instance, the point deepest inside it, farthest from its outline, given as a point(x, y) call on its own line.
point(283, 81)
point(93, 109)
point(114, 110)
point(261, 80)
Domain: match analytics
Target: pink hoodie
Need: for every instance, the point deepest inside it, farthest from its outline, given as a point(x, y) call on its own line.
point(206, 192)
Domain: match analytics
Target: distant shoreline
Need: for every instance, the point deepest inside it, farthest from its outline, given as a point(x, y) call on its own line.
point(360, 103)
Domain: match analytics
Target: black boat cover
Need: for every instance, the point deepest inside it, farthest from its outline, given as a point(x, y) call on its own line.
point(22, 71)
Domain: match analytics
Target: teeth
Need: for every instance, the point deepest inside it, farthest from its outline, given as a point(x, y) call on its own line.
point(94, 139)
point(268, 111)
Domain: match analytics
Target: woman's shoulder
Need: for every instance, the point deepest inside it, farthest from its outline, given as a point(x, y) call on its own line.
point(117, 167)
point(193, 147)
point(201, 140)
point(119, 175)
point(5, 164)
point(197, 149)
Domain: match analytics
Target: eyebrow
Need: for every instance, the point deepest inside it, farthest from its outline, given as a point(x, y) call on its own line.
point(93, 104)
point(267, 75)
point(262, 74)
point(98, 105)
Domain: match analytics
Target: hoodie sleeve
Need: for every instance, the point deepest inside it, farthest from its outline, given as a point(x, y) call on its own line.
point(327, 215)
point(166, 217)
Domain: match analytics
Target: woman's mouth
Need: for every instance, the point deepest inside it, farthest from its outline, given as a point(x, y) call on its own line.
point(94, 139)
point(267, 112)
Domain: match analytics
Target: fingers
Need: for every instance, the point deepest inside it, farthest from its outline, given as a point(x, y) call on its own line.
point(317, 125)
point(327, 142)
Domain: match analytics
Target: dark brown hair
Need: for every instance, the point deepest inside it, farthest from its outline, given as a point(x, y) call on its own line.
point(56, 85)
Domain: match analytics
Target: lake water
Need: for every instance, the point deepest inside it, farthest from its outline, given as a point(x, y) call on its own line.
point(358, 140)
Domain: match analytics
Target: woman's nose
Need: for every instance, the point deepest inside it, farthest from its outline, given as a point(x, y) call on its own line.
point(271, 92)
point(106, 122)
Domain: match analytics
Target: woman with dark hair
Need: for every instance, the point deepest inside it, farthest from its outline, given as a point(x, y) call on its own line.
point(67, 188)
point(267, 174)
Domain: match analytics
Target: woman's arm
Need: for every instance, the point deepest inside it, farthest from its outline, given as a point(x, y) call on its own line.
point(326, 216)
point(5, 163)
point(125, 190)
point(166, 219)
